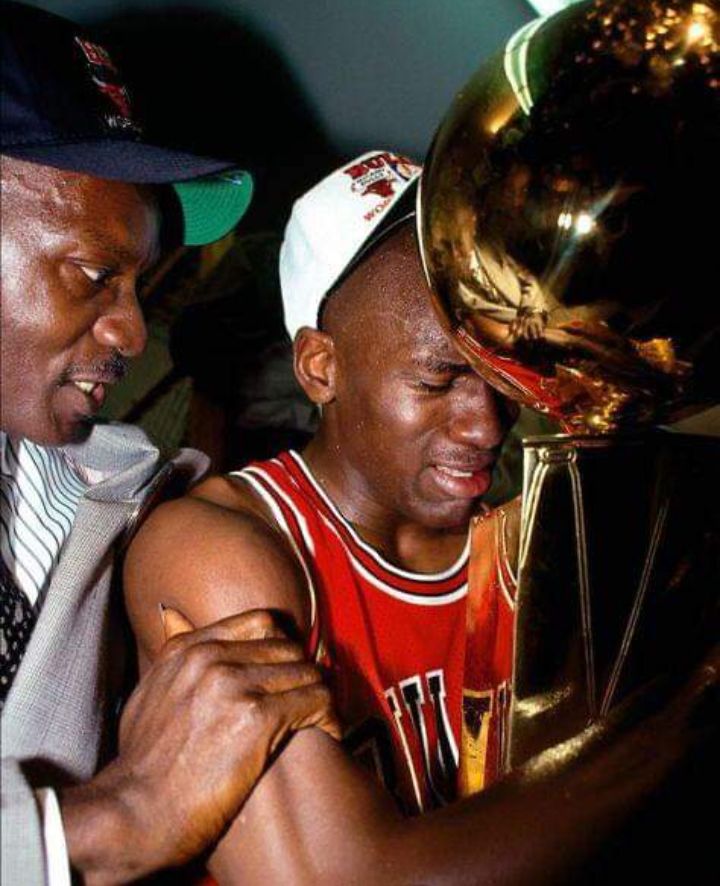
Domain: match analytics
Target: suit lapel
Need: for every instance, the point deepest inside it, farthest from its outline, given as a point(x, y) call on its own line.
point(57, 702)
point(56, 711)
point(45, 700)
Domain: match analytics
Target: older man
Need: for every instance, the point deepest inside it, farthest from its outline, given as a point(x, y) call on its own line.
point(362, 541)
point(84, 200)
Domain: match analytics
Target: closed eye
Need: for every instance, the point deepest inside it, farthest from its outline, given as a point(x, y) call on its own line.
point(434, 387)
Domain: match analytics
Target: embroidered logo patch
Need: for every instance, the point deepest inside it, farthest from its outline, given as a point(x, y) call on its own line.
point(106, 78)
point(379, 176)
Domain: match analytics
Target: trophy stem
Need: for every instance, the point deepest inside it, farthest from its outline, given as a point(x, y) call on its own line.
point(627, 639)
point(581, 552)
point(534, 485)
point(618, 577)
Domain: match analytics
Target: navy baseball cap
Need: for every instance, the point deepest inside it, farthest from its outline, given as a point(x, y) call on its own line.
point(63, 104)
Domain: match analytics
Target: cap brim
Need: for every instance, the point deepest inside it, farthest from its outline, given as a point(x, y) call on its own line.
point(122, 160)
point(212, 193)
point(212, 206)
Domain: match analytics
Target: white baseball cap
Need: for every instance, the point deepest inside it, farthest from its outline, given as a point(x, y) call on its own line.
point(335, 223)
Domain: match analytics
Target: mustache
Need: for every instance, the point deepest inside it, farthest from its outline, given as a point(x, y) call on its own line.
point(110, 370)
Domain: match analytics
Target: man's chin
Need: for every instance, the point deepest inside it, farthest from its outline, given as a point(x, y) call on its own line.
point(452, 516)
point(70, 432)
point(80, 431)
point(52, 430)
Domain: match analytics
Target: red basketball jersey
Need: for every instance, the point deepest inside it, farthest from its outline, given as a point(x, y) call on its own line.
point(392, 641)
point(489, 647)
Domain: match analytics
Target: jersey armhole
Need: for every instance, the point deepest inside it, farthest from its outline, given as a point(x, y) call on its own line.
point(509, 539)
point(313, 645)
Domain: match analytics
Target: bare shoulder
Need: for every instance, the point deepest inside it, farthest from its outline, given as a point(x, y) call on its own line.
point(230, 492)
point(210, 554)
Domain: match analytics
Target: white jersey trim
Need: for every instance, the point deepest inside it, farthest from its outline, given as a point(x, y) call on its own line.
point(302, 522)
point(282, 525)
point(418, 599)
point(428, 578)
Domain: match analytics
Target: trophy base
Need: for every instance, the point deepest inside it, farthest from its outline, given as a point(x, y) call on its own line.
point(618, 575)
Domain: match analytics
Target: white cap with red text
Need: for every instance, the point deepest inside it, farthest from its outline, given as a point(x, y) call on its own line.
point(335, 223)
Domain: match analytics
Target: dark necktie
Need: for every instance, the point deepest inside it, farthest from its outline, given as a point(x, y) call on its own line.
point(17, 619)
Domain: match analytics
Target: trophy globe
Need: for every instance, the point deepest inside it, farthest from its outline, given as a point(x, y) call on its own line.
point(567, 220)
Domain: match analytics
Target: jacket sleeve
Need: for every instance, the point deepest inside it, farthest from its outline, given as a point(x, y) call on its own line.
point(23, 845)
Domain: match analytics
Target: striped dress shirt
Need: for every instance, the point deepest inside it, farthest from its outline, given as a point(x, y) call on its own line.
point(40, 488)
point(39, 492)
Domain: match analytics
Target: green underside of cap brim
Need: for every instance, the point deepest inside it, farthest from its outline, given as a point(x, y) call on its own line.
point(213, 206)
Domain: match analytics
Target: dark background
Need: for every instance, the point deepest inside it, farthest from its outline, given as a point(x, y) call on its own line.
point(372, 73)
point(288, 89)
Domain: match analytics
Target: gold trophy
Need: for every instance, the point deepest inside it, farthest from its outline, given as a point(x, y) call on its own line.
point(568, 229)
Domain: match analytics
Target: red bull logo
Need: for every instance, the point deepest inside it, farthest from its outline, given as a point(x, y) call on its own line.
point(380, 175)
point(106, 77)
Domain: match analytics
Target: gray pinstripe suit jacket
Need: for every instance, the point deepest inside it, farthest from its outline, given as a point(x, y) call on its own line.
point(59, 717)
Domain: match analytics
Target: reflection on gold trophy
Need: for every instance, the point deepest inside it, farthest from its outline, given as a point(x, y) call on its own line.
point(564, 226)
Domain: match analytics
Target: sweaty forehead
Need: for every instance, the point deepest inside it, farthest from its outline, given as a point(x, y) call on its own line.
point(386, 300)
point(30, 188)
point(51, 202)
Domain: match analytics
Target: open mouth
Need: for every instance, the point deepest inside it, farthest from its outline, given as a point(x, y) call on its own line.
point(463, 482)
point(87, 387)
point(454, 472)
point(93, 390)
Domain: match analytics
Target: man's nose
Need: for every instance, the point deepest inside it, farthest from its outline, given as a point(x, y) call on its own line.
point(478, 417)
point(122, 326)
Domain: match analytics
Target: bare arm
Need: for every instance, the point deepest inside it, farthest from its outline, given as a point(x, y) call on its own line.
point(224, 697)
point(315, 817)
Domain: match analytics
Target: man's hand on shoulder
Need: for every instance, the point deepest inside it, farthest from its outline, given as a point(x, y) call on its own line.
point(213, 703)
point(195, 737)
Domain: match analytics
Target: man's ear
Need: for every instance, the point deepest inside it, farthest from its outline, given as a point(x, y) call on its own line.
point(314, 363)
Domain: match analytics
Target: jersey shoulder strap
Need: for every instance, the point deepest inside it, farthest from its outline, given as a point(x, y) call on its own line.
point(274, 483)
